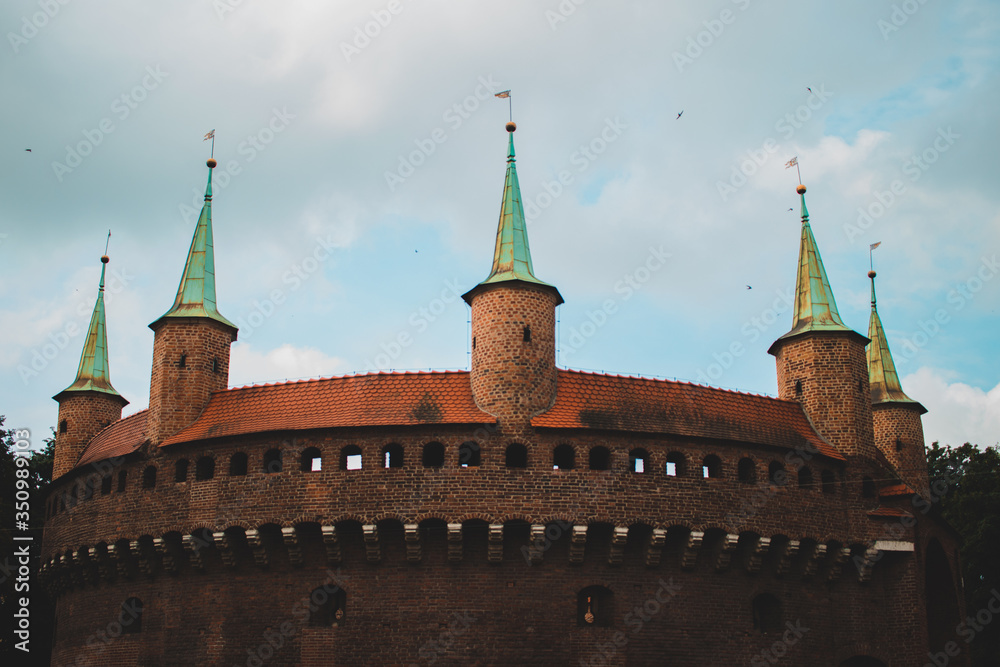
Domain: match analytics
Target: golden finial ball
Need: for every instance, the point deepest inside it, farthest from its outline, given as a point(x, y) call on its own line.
point(511, 126)
point(871, 274)
point(105, 259)
point(801, 189)
point(211, 163)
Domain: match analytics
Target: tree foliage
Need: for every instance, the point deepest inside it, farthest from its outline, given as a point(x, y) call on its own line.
point(972, 506)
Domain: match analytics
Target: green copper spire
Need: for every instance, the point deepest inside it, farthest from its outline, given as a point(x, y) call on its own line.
point(93, 375)
point(881, 370)
point(512, 257)
point(815, 308)
point(196, 292)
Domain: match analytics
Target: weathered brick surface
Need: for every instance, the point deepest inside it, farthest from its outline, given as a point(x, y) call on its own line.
point(899, 434)
point(832, 371)
point(85, 414)
point(514, 379)
point(178, 393)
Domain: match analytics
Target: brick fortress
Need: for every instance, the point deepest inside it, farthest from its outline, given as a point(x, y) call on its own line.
point(514, 514)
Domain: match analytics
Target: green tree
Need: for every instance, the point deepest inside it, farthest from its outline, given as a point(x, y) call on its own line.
point(972, 506)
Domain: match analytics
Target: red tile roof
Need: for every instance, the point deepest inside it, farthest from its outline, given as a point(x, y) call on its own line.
point(888, 513)
point(623, 403)
point(121, 438)
point(377, 399)
point(895, 490)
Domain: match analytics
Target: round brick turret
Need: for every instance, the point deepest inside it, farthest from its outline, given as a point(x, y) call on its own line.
point(82, 414)
point(899, 434)
point(514, 351)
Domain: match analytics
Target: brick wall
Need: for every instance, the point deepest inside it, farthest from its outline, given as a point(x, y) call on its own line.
point(899, 434)
point(178, 393)
point(828, 373)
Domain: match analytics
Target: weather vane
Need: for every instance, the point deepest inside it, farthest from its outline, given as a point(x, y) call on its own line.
point(794, 162)
point(211, 135)
point(107, 243)
point(505, 95)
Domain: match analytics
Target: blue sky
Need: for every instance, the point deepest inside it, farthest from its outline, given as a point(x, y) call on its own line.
point(383, 154)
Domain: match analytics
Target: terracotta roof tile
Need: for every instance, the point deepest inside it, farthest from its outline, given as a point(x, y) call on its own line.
point(896, 490)
point(121, 438)
point(377, 399)
point(888, 512)
point(623, 403)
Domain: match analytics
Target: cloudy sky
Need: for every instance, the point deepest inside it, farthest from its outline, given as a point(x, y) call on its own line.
point(362, 157)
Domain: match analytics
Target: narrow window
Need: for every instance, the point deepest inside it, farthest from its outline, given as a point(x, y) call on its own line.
point(238, 464)
point(676, 464)
point(767, 616)
point(183, 361)
point(181, 471)
point(563, 458)
point(105, 485)
point(600, 458)
point(130, 616)
point(63, 426)
point(215, 364)
point(827, 480)
point(899, 444)
point(327, 606)
point(149, 477)
point(433, 455)
point(392, 455)
point(776, 473)
point(711, 467)
point(526, 334)
point(746, 470)
point(593, 607)
point(272, 461)
point(122, 479)
point(350, 458)
point(469, 454)
point(798, 387)
point(205, 468)
point(868, 487)
point(637, 460)
point(517, 456)
point(311, 460)
point(805, 478)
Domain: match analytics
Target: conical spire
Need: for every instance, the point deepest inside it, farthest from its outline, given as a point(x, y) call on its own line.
point(815, 308)
point(93, 374)
point(196, 291)
point(512, 257)
point(882, 374)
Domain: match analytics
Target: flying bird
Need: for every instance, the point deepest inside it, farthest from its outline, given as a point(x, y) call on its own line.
point(748, 287)
point(809, 89)
point(680, 114)
point(27, 150)
point(791, 209)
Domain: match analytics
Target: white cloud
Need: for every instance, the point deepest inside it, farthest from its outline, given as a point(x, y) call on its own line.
point(956, 412)
point(286, 362)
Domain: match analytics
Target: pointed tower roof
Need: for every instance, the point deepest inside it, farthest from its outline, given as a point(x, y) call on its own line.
point(881, 370)
point(93, 374)
point(196, 291)
point(512, 256)
point(815, 308)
